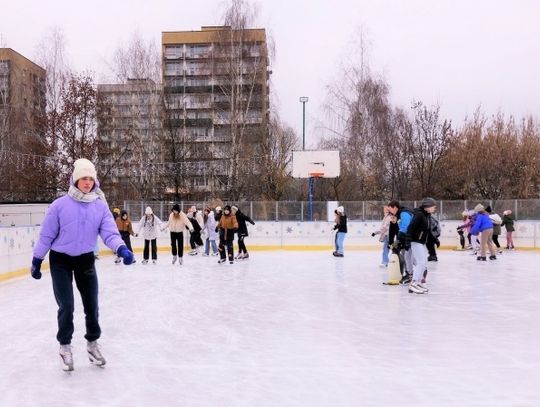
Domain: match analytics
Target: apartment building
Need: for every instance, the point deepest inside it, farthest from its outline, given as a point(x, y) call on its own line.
point(22, 99)
point(130, 134)
point(216, 98)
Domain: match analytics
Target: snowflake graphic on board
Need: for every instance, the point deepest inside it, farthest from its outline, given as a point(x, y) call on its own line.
point(11, 243)
point(289, 229)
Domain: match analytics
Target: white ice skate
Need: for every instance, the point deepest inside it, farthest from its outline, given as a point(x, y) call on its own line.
point(94, 354)
point(180, 261)
point(154, 261)
point(145, 261)
point(416, 288)
point(66, 358)
point(117, 260)
point(174, 259)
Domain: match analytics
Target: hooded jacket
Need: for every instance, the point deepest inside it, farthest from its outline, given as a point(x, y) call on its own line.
point(481, 223)
point(227, 226)
point(72, 227)
point(420, 226)
point(148, 227)
point(124, 226)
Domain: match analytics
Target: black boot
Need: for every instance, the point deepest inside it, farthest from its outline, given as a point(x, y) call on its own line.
point(493, 257)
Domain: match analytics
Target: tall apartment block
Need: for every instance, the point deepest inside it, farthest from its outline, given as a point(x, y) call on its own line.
point(216, 97)
point(22, 99)
point(129, 129)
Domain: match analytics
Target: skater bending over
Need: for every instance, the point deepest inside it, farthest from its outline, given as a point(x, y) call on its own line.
point(69, 232)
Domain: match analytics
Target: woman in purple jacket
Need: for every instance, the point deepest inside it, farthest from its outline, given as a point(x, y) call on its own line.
point(70, 230)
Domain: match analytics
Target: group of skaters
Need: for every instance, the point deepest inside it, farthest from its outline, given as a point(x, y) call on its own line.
point(482, 228)
point(217, 226)
point(414, 236)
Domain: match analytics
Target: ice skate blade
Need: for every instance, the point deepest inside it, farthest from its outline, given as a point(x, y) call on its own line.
point(96, 362)
point(66, 368)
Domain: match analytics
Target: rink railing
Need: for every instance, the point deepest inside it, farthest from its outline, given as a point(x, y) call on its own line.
point(522, 209)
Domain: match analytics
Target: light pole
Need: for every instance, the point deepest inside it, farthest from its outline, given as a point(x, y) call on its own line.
point(303, 100)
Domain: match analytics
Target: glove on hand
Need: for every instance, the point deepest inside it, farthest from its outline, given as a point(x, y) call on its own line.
point(36, 267)
point(373, 234)
point(124, 252)
point(437, 243)
point(252, 222)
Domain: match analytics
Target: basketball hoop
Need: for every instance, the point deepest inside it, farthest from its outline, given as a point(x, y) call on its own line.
point(316, 174)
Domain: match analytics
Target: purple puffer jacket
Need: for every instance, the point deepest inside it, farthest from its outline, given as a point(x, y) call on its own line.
point(72, 227)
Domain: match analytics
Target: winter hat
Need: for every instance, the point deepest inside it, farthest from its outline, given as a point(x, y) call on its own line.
point(148, 211)
point(83, 168)
point(123, 212)
point(428, 203)
point(507, 212)
point(488, 209)
point(218, 208)
point(479, 208)
point(340, 210)
point(234, 208)
point(465, 213)
point(227, 208)
point(176, 208)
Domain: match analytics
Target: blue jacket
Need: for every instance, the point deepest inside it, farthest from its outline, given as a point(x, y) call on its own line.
point(482, 222)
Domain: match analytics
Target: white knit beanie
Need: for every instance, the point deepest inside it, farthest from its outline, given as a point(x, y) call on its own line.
point(148, 211)
point(341, 210)
point(83, 168)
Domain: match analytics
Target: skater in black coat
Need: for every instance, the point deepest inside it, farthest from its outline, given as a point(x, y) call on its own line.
point(242, 218)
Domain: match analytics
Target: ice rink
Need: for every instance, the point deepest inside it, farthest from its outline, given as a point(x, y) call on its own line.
point(284, 329)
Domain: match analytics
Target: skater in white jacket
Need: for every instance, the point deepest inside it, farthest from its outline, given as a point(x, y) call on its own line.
point(209, 230)
point(148, 228)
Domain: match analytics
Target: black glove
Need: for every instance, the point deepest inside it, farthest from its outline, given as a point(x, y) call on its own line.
point(437, 243)
point(35, 270)
point(252, 222)
point(404, 240)
point(373, 234)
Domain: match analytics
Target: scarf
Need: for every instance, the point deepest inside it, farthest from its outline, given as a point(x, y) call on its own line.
point(80, 196)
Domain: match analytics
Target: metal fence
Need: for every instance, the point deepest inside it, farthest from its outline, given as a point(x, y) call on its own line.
point(525, 209)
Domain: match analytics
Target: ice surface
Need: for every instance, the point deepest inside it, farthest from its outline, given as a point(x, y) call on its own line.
point(284, 329)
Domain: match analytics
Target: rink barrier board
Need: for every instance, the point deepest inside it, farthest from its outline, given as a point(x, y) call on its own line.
point(16, 243)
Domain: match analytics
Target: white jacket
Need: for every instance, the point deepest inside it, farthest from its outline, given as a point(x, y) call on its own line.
point(147, 228)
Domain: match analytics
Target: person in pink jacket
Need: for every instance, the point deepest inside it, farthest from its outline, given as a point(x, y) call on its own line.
point(69, 231)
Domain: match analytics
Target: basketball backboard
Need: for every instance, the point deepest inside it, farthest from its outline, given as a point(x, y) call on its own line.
point(319, 163)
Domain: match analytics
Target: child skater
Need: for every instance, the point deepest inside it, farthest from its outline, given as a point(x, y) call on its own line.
point(148, 227)
point(227, 227)
point(210, 232)
point(125, 228)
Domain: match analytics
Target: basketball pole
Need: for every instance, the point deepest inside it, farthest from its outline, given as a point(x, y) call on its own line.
point(311, 188)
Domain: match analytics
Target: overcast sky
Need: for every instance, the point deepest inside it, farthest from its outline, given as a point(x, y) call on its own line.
point(457, 53)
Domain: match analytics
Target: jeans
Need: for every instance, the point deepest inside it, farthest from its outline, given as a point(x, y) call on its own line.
point(207, 246)
point(419, 259)
point(63, 269)
point(177, 244)
point(385, 251)
point(340, 237)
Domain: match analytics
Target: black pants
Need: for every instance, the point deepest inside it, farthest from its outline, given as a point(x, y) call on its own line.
point(177, 244)
point(195, 239)
point(226, 245)
point(241, 245)
point(461, 239)
point(63, 269)
point(496, 241)
point(430, 244)
point(154, 249)
point(127, 240)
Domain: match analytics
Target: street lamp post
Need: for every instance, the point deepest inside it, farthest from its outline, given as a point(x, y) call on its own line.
point(303, 100)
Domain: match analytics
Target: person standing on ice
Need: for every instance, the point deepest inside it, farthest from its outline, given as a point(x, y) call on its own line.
point(508, 223)
point(177, 223)
point(341, 227)
point(197, 222)
point(148, 227)
point(227, 227)
point(209, 230)
point(125, 227)
point(483, 226)
point(418, 230)
point(69, 231)
point(383, 232)
point(404, 217)
point(242, 218)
